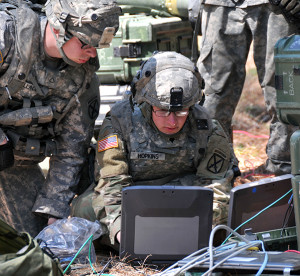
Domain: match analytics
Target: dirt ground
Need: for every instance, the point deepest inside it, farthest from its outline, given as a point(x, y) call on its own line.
point(250, 136)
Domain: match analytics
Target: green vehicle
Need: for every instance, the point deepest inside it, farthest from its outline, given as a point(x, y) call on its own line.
point(143, 30)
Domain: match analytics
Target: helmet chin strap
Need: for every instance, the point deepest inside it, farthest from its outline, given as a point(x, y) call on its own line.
point(59, 45)
point(66, 59)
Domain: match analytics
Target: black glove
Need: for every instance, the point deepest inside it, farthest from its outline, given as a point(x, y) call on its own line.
point(6, 156)
point(290, 9)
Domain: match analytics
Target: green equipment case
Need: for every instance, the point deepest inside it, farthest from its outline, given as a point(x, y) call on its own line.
point(287, 79)
point(138, 37)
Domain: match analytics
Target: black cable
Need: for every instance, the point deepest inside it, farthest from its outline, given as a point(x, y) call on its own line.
point(287, 215)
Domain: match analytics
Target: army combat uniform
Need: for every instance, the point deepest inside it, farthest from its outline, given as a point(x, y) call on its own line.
point(63, 103)
point(228, 27)
point(138, 154)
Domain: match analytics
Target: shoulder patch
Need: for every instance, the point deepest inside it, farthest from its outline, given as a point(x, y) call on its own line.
point(215, 163)
point(108, 143)
point(93, 108)
point(1, 57)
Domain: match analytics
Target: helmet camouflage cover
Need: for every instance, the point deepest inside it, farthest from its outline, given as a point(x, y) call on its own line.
point(169, 81)
point(85, 19)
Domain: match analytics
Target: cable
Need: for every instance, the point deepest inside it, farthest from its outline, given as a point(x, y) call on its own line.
point(251, 135)
point(253, 217)
point(231, 249)
point(287, 215)
point(89, 239)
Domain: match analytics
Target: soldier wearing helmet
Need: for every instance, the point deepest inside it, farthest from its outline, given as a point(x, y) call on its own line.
point(161, 136)
point(49, 100)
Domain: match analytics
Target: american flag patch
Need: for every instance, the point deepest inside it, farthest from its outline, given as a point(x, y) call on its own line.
point(108, 143)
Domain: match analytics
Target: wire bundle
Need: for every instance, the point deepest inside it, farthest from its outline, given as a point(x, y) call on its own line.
point(228, 250)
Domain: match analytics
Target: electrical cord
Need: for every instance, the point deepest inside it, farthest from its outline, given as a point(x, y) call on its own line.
point(287, 215)
point(231, 249)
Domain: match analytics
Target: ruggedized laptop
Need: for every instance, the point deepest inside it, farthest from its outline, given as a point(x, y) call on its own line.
point(164, 223)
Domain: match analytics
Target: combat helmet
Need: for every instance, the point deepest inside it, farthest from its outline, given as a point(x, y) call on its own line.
point(169, 81)
point(94, 22)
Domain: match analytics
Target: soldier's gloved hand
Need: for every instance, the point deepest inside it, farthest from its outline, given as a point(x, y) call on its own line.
point(290, 9)
point(6, 152)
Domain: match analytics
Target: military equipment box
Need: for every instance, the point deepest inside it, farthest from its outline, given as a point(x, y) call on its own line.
point(137, 38)
point(287, 79)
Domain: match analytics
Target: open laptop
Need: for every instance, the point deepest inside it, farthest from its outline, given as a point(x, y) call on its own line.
point(163, 224)
point(272, 227)
point(248, 199)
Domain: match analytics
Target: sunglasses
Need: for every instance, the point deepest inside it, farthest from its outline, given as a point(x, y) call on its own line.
point(84, 46)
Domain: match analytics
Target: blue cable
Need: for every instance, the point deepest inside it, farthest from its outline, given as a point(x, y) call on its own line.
point(264, 264)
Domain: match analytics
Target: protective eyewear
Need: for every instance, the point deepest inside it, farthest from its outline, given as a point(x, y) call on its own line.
point(166, 113)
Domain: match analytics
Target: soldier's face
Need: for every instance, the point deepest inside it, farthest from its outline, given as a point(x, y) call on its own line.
point(170, 124)
point(77, 51)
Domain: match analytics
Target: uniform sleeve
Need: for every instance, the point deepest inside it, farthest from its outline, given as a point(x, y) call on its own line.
point(114, 177)
point(215, 169)
point(6, 41)
point(72, 146)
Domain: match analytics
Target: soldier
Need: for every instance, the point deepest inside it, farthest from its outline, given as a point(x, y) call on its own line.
point(228, 28)
point(49, 100)
point(166, 137)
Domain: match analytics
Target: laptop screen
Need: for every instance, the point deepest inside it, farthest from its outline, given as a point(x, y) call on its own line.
point(165, 222)
point(248, 199)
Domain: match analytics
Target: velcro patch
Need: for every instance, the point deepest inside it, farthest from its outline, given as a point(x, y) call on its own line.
point(108, 143)
point(147, 155)
point(215, 163)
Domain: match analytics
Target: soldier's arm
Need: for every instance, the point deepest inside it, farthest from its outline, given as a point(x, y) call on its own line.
point(65, 167)
point(215, 169)
point(114, 177)
point(6, 41)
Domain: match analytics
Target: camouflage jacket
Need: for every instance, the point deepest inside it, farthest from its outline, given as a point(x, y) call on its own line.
point(137, 152)
point(238, 3)
point(71, 93)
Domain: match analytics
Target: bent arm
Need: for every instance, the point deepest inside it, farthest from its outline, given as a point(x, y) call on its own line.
point(114, 177)
point(215, 169)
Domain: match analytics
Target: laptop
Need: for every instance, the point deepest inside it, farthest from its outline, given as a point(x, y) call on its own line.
point(163, 224)
point(271, 226)
point(248, 199)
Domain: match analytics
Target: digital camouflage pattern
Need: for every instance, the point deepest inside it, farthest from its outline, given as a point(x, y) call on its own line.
point(83, 19)
point(224, 52)
point(238, 3)
point(153, 86)
point(145, 154)
point(73, 95)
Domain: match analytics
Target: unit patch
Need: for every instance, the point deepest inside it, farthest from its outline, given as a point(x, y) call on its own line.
point(215, 163)
point(147, 155)
point(93, 108)
point(108, 143)
point(1, 57)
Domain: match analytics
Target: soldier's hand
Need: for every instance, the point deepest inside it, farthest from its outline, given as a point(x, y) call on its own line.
point(51, 220)
point(291, 6)
point(118, 237)
point(290, 9)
